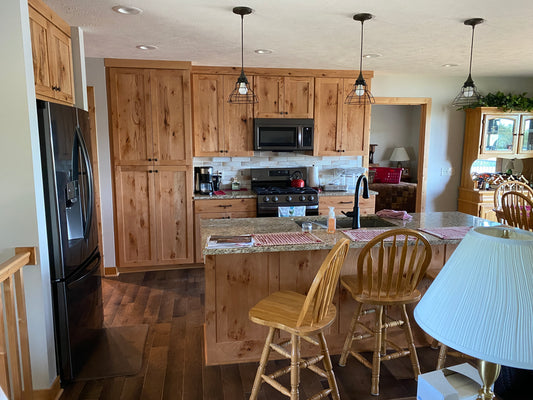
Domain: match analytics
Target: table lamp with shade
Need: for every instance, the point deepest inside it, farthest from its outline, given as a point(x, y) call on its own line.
point(481, 303)
point(399, 154)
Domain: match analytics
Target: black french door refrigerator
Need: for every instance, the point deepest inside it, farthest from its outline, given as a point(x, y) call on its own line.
point(72, 234)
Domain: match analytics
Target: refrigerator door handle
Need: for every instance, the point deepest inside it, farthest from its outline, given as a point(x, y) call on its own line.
point(90, 189)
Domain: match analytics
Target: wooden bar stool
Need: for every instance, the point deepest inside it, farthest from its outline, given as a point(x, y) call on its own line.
point(389, 268)
point(514, 186)
point(517, 210)
point(303, 317)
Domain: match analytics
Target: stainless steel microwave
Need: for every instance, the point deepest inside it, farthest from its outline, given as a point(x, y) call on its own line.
point(283, 134)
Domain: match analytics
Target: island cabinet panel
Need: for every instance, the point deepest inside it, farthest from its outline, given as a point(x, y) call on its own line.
point(284, 96)
point(345, 203)
point(52, 54)
point(340, 129)
point(220, 128)
point(236, 282)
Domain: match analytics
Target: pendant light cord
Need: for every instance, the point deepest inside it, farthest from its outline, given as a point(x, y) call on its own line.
point(471, 50)
point(242, 44)
point(361, 55)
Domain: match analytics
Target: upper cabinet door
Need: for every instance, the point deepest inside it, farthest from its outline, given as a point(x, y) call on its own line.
point(39, 48)
point(284, 97)
point(499, 134)
point(298, 97)
point(208, 118)
point(130, 115)
point(525, 137)
point(238, 123)
point(170, 110)
point(60, 64)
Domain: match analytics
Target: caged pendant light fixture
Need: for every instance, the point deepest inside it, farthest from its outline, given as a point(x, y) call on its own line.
point(242, 94)
point(360, 94)
point(469, 93)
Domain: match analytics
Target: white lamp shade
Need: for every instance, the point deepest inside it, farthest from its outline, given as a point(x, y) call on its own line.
point(481, 303)
point(399, 154)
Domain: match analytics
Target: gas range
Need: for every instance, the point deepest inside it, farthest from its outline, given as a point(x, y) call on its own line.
point(273, 188)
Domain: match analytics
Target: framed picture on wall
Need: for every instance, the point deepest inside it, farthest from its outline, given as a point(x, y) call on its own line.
point(406, 173)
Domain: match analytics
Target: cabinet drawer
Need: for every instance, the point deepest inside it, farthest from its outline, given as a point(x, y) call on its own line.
point(345, 203)
point(230, 205)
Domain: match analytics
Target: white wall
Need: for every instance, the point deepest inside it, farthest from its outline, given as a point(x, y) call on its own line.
point(22, 218)
point(447, 124)
point(95, 72)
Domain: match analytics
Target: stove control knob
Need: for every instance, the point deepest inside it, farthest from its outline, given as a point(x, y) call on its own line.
point(275, 199)
point(311, 198)
point(266, 199)
point(288, 198)
point(302, 198)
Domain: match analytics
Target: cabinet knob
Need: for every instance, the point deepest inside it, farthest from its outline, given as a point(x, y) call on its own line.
point(221, 151)
point(150, 171)
point(155, 159)
point(149, 159)
point(156, 171)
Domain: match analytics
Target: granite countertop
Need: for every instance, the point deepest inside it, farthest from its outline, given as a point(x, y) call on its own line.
point(243, 226)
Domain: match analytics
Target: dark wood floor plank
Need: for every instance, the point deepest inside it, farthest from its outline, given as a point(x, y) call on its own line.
point(172, 303)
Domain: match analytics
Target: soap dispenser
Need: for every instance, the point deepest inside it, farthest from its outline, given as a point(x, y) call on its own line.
point(332, 222)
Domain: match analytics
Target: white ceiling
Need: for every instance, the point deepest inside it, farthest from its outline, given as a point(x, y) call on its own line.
point(413, 36)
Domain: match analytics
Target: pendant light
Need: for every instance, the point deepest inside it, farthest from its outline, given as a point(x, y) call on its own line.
point(242, 94)
point(469, 93)
point(360, 94)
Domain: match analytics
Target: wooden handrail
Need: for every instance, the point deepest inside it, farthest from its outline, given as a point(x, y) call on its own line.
point(15, 367)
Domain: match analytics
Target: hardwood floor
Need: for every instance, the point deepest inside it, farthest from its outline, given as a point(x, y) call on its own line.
point(172, 303)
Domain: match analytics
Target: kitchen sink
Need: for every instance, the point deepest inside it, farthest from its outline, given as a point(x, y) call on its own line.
point(367, 221)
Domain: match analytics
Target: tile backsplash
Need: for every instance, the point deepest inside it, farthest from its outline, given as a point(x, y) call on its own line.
point(330, 168)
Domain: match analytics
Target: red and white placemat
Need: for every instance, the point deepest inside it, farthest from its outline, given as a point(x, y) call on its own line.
point(284, 238)
point(365, 235)
point(448, 233)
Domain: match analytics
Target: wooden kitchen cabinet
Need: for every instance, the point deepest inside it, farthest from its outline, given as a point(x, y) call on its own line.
point(345, 203)
point(150, 123)
point(284, 96)
point(219, 209)
point(154, 225)
point(150, 116)
point(340, 129)
point(220, 128)
point(52, 54)
point(489, 133)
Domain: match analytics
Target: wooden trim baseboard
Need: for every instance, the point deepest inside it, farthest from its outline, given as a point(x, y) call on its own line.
point(150, 268)
point(54, 392)
point(111, 271)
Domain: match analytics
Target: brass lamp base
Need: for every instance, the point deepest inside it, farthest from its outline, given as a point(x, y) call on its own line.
point(489, 373)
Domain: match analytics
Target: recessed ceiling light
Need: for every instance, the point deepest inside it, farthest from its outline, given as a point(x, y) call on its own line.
point(263, 51)
point(371, 55)
point(146, 47)
point(127, 10)
point(449, 65)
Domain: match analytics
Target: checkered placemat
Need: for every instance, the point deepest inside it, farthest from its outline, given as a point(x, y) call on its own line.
point(284, 238)
point(358, 235)
point(448, 233)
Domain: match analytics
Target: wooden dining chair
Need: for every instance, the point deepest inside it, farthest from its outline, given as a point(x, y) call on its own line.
point(303, 317)
point(389, 268)
point(517, 210)
point(515, 186)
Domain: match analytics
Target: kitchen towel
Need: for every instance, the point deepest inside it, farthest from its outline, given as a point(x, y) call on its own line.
point(448, 233)
point(284, 238)
point(394, 214)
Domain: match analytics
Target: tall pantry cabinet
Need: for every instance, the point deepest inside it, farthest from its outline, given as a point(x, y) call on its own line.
point(150, 122)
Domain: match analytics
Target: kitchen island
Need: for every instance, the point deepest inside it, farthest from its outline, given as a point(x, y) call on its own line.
point(237, 278)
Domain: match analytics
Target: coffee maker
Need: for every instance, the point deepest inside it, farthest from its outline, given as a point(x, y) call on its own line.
point(203, 180)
